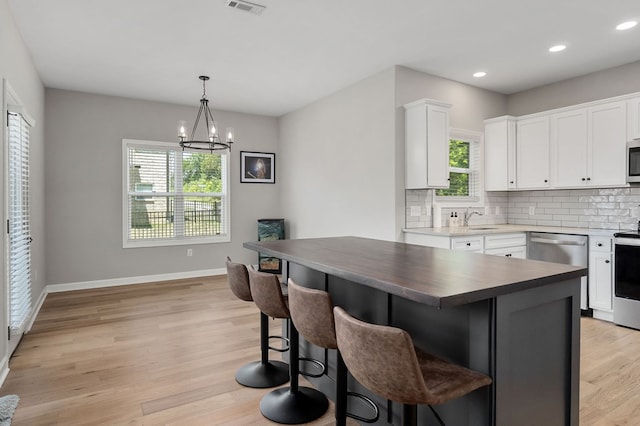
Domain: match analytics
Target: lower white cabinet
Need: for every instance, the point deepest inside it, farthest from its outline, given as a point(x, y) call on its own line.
point(601, 277)
point(512, 244)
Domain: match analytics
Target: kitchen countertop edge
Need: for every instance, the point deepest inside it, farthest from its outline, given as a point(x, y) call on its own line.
point(503, 229)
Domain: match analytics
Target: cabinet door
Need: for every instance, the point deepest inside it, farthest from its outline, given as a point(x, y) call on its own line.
point(569, 148)
point(500, 154)
point(600, 281)
point(607, 144)
point(426, 145)
point(633, 119)
point(532, 153)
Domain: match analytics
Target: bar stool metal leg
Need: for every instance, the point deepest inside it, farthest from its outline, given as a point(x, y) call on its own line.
point(263, 373)
point(294, 404)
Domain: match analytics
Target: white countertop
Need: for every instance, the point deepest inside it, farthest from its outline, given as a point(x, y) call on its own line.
point(501, 229)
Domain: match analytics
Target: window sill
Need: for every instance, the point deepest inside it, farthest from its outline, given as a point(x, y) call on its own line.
point(186, 241)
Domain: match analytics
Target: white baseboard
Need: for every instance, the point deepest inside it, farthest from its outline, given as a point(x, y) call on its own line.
point(4, 369)
point(603, 315)
point(85, 285)
point(36, 309)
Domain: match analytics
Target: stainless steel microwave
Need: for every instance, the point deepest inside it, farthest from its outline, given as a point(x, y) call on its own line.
point(633, 161)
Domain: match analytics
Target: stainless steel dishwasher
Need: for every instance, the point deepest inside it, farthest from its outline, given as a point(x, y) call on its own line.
point(562, 248)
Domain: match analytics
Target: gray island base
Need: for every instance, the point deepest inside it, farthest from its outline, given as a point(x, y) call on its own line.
point(517, 321)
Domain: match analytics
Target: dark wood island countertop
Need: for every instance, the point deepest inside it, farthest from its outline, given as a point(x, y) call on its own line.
point(435, 277)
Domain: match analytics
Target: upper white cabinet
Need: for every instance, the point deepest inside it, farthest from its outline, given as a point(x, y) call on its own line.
point(500, 153)
point(633, 118)
point(426, 144)
point(588, 145)
point(569, 147)
point(532, 153)
point(607, 144)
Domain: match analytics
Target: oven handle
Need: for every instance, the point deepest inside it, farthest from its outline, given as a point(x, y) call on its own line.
point(626, 241)
point(558, 242)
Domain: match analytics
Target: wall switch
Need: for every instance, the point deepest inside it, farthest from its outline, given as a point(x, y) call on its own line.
point(532, 210)
point(189, 252)
point(415, 211)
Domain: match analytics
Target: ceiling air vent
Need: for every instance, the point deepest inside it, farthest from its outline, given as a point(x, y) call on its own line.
point(256, 9)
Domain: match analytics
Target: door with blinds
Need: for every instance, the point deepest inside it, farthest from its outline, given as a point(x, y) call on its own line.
point(18, 223)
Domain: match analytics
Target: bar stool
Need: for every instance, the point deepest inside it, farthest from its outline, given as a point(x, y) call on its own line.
point(293, 404)
point(384, 360)
point(263, 373)
point(312, 314)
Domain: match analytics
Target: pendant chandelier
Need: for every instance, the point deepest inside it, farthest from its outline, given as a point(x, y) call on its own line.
point(213, 141)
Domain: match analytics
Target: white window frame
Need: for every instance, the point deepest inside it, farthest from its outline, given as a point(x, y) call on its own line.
point(471, 201)
point(176, 240)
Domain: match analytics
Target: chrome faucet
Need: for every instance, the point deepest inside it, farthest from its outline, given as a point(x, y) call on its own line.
point(468, 214)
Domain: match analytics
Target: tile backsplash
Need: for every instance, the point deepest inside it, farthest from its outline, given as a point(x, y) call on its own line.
point(610, 208)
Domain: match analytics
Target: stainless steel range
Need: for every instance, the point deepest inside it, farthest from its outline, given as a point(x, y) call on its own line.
point(626, 303)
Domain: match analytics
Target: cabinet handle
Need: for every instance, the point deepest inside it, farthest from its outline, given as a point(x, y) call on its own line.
point(599, 244)
point(583, 179)
point(588, 178)
point(545, 181)
point(607, 261)
point(468, 244)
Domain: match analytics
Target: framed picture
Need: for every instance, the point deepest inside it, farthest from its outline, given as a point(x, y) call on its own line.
point(257, 167)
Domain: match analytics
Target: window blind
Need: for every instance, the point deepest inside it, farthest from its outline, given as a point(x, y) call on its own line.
point(174, 195)
point(19, 227)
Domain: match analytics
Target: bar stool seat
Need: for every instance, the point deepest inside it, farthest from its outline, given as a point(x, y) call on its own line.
point(293, 404)
point(264, 373)
point(312, 314)
point(384, 360)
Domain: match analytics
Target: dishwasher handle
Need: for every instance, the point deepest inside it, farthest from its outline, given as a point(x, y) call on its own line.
point(558, 242)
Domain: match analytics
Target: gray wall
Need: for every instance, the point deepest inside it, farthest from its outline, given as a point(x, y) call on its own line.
point(84, 135)
point(338, 156)
point(16, 66)
point(591, 87)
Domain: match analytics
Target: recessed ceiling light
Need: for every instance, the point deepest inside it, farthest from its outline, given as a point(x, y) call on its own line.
point(479, 74)
point(626, 25)
point(557, 48)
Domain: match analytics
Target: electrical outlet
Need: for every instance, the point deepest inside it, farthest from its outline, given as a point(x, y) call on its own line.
point(532, 210)
point(415, 211)
point(189, 252)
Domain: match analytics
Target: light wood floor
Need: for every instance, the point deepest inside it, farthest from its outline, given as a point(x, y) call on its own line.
point(166, 353)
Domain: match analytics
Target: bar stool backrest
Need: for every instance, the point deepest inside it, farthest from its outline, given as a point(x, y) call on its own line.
point(238, 280)
point(267, 294)
point(312, 314)
point(382, 359)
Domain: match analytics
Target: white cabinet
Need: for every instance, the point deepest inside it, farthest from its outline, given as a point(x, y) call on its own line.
point(588, 146)
point(569, 148)
point(500, 153)
point(601, 276)
point(633, 118)
point(508, 245)
point(532, 153)
point(474, 243)
point(607, 144)
point(426, 144)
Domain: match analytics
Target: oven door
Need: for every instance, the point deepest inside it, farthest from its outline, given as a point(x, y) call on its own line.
point(627, 268)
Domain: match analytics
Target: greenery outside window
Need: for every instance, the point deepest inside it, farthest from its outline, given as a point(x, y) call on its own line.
point(173, 197)
point(464, 171)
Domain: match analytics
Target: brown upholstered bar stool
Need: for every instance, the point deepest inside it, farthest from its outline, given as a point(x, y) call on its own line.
point(312, 314)
point(263, 373)
point(294, 404)
point(384, 360)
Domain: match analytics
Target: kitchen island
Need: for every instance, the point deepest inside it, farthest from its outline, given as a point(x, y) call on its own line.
point(517, 321)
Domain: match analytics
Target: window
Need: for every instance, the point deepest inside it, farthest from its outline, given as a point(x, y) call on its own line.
point(464, 169)
point(174, 197)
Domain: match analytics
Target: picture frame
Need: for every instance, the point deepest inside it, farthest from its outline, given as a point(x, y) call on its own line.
point(257, 167)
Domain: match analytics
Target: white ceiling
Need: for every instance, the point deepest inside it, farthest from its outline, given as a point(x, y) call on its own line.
point(301, 50)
